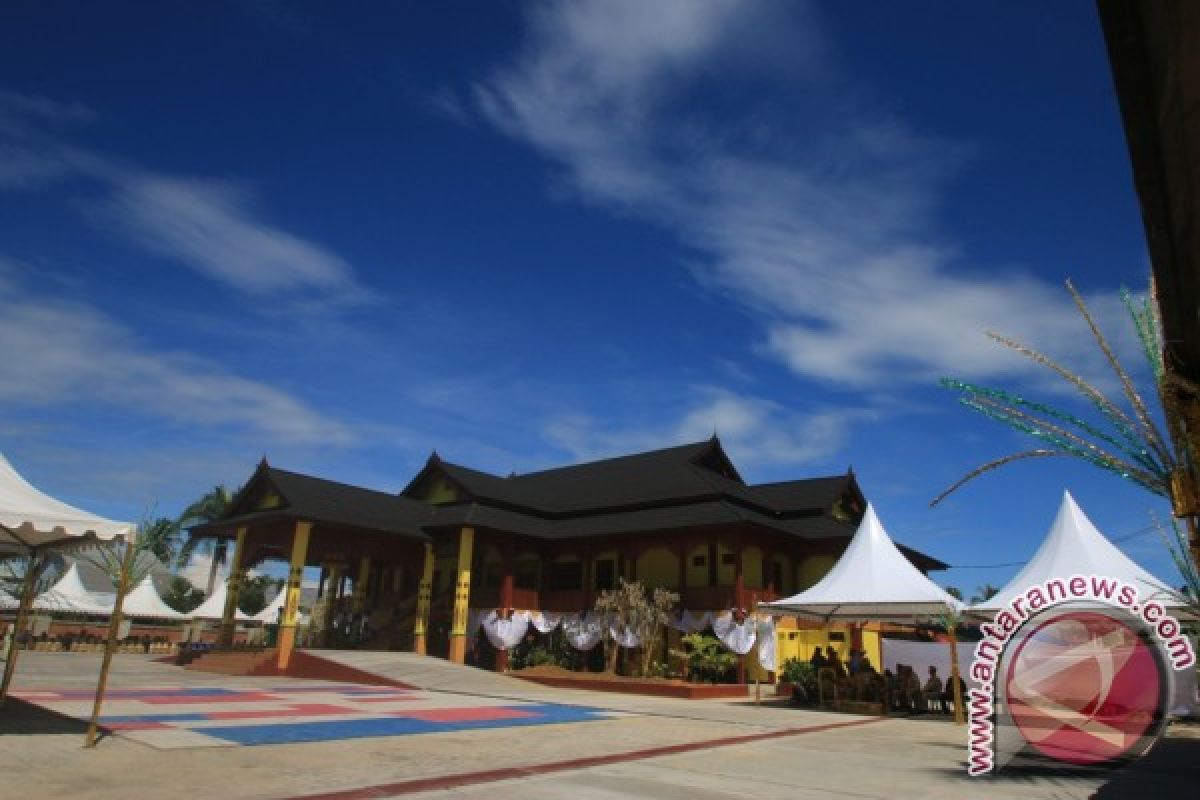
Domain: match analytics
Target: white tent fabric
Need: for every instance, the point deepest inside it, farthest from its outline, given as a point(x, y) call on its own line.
point(68, 596)
point(1074, 546)
point(583, 631)
point(30, 519)
point(213, 606)
point(871, 581)
point(505, 634)
point(737, 636)
point(144, 603)
point(270, 614)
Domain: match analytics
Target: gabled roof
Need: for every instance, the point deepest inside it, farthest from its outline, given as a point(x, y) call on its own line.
point(696, 472)
point(319, 500)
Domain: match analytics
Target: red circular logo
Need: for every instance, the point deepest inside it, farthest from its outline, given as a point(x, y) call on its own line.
point(1084, 687)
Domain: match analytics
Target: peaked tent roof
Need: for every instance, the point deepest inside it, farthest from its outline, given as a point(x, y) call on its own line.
point(213, 606)
point(144, 603)
point(30, 519)
point(1074, 546)
point(68, 595)
point(871, 581)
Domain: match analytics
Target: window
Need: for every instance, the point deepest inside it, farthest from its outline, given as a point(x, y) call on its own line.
point(566, 576)
point(606, 573)
point(837, 636)
point(699, 561)
point(729, 559)
point(777, 576)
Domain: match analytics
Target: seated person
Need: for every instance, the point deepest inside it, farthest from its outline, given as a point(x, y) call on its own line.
point(948, 693)
point(817, 659)
point(910, 688)
point(932, 691)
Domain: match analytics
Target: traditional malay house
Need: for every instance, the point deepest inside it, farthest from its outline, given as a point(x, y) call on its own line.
point(456, 539)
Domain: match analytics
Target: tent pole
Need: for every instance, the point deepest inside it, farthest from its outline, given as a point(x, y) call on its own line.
point(114, 626)
point(10, 664)
point(960, 718)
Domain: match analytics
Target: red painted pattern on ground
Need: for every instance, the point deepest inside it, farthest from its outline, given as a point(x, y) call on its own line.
point(509, 773)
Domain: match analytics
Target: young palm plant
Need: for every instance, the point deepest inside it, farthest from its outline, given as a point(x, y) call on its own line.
point(1126, 440)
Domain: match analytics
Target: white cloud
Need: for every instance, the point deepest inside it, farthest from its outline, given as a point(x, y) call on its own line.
point(758, 433)
point(825, 228)
point(73, 353)
point(209, 226)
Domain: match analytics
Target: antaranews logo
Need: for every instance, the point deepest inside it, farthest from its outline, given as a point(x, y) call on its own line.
point(1079, 668)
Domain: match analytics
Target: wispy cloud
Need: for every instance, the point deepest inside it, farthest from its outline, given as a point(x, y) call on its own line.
point(71, 353)
point(758, 432)
point(210, 226)
point(826, 226)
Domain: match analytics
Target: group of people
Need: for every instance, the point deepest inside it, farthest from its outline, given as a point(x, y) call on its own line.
point(907, 693)
point(857, 679)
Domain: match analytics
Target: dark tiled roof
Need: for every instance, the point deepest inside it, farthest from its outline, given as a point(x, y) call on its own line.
point(331, 502)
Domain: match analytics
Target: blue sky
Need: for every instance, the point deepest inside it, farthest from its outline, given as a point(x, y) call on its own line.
point(531, 234)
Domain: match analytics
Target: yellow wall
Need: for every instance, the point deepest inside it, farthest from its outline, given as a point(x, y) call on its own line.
point(697, 576)
point(752, 561)
point(658, 568)
point(726, 573)
point(812, 569)
point(793, 643)
point(441, 492)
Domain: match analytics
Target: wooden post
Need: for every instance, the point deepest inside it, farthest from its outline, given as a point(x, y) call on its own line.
point(110, 644)
point(739, 589)
point(462, 596)
point(291, 604)
point(424, 600)
point(960, 717)
point(232, 587)
point(36, 564)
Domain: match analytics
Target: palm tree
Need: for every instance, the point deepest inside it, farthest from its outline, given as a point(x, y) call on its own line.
point(211, 507)
point(1125, 439)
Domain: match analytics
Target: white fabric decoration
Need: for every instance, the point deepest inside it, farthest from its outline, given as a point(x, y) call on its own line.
point(505, 634)
point(692, 621)
point(545, 621)
point(624, 637)
point(766, 643)
point(738, 638)
point(582, 631)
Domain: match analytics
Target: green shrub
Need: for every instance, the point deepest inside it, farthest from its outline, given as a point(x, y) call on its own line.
point(706, 659)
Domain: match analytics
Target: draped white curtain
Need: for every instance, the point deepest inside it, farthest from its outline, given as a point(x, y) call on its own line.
point(545, 621)
point(737, 637)
point(623, 636)
point(582, 631)
point(505, 634)
point(766, 643)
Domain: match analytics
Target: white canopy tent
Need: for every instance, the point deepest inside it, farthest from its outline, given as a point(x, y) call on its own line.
point(1074, 546)
point(144, 603)
point(69, 596)
point(32, 521)
point(213, 606)
point(872, 580)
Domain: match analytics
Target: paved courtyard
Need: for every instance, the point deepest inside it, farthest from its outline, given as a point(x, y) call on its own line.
point(470, 734)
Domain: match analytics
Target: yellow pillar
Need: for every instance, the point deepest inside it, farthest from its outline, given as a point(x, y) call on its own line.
point(462, 596)
point(287, 630)
point(424, 599)
point(232, 587)
point(360, 585)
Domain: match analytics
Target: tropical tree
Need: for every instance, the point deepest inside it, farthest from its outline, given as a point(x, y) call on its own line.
point(209, 508)
point(161, 537)
point(1124, 439)
point(631, 607)
point(984, 592)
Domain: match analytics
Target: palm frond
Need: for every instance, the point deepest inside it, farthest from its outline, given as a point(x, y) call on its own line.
point(991, 465)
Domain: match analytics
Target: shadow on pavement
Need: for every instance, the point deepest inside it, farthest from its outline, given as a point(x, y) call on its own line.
point(1170, 769)
point(19, 718)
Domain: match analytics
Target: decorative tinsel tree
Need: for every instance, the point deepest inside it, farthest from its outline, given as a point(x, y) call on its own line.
point(1125, 440)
